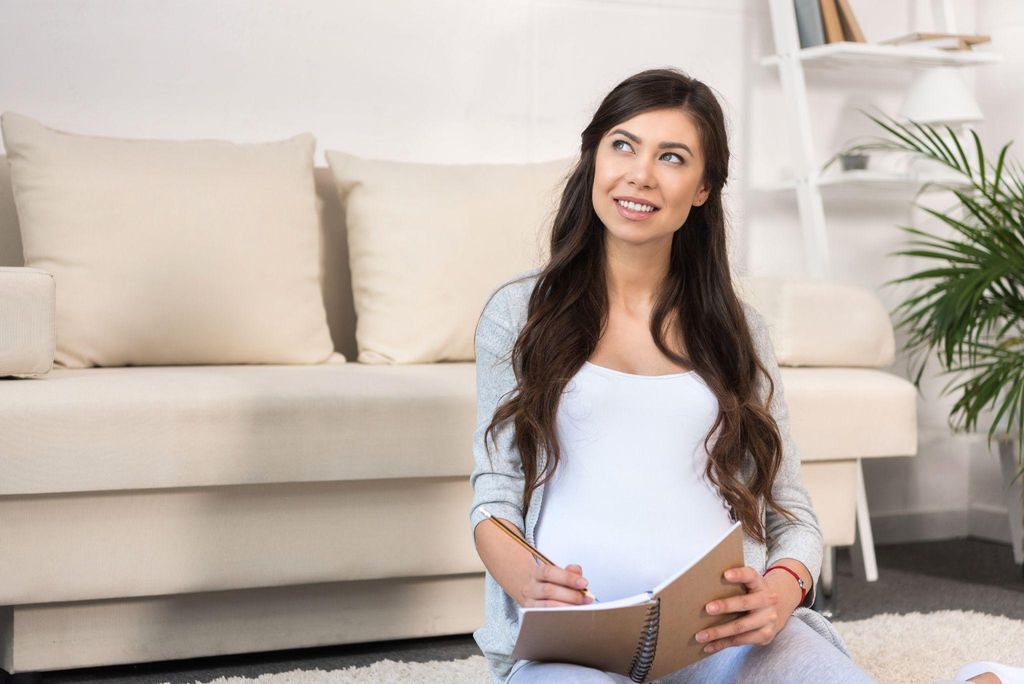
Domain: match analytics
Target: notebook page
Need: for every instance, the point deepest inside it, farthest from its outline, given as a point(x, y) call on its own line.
point(634, 600)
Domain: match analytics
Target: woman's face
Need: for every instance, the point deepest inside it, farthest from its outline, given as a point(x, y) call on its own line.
point(648, 174)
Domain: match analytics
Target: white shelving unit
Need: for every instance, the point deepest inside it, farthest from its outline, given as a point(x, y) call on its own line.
point(869, 183)
point(810, 184)
point(869, 55)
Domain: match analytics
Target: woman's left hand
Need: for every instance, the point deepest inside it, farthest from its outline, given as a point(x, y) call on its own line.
point(763, 618)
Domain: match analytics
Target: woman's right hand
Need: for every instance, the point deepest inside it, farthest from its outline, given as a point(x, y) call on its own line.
point(550, 585)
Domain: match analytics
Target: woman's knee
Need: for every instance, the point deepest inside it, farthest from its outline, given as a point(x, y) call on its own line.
point(800, 654)
point(563, 672)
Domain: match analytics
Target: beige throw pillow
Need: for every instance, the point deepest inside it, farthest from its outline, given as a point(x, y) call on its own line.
point(428, 243)
point(172, 252)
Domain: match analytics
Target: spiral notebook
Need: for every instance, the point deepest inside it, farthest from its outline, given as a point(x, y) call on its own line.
point(624, 635)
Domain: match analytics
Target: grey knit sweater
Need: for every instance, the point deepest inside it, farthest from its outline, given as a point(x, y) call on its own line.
point(498, 480)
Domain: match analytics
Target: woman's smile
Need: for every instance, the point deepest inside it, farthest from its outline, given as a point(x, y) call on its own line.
point(635, 211)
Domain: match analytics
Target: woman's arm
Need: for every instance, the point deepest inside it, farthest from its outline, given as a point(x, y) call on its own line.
point(797, 545)
point(509, 563)
point(497, 477)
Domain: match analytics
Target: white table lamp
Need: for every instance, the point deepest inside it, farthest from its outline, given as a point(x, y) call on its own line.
point(940, 96)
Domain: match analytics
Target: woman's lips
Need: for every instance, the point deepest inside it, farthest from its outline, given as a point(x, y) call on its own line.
point(634, 215)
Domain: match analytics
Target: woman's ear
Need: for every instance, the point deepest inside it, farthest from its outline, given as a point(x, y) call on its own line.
point(702, 196)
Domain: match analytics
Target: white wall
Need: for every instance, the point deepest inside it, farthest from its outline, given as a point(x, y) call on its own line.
point(506, 81)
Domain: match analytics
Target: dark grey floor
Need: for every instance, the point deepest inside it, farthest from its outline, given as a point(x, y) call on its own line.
point(967, 574)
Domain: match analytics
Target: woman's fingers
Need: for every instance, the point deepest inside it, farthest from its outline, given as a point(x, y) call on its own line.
point(758, 623)
point(547, 593)
point(564, 576)
point(760, 636)
point(551, 585)
point(756, 627)
point(740, 604)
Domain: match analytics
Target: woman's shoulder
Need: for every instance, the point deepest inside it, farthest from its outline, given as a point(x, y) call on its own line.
point(507, 303)
point(754, 317)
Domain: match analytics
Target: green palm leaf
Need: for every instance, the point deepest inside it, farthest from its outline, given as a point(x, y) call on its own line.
point(968, 309)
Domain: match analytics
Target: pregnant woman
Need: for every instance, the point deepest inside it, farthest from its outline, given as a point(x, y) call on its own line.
point(630, 409)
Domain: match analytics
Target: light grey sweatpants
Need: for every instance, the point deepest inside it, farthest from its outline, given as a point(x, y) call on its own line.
point(797, 655)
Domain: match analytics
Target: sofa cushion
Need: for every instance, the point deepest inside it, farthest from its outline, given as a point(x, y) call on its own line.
point(428, 242)
point(190, 426)
point(850, 413)
point(159, 426)
point(172, 252)
point(822, 323)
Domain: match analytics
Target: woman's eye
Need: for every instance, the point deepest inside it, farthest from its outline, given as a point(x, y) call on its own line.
point(616, 143)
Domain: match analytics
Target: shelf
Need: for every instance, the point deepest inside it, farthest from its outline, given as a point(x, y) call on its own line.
point(847, 55)
point(869, 182)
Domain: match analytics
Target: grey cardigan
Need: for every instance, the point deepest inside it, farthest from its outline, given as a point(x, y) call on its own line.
point(497, 480)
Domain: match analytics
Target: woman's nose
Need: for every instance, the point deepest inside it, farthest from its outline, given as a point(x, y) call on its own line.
point(640, 173)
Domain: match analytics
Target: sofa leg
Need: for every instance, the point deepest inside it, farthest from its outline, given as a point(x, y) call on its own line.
point(863, 549)
point(826, 598)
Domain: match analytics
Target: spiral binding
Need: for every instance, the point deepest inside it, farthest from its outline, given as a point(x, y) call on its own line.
point(643, 658)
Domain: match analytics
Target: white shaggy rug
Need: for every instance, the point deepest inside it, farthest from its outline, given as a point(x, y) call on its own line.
point(916, 648)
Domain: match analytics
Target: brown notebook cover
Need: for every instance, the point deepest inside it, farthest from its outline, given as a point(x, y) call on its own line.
point(642, 637)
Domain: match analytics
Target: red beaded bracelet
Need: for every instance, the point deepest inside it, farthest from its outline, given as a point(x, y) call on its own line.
point(803, 586)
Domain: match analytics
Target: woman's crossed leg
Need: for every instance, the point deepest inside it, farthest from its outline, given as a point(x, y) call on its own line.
point(798, 654)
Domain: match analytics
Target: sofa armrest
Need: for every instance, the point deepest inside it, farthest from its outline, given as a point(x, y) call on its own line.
point(822, 323)
point(28, 308)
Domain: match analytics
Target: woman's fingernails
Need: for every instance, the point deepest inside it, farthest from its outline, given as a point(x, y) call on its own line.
point(712, 608)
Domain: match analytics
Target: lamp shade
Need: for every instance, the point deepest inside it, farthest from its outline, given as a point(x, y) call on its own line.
point(939, 95)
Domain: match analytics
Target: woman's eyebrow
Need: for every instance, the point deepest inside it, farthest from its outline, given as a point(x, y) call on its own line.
point(661, 146)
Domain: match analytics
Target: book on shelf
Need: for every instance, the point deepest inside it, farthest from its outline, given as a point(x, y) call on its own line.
point(851, 28)
point(942, 41)
point(830, 20)
point(808, 23)
point(623, 635)
point(839, 22)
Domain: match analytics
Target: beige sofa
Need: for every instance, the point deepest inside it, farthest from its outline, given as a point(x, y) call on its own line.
point(152, 513)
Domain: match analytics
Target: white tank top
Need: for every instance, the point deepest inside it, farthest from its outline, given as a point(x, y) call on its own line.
point(629, 501)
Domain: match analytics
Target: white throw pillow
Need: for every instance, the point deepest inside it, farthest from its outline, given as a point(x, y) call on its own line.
point(428, 243)
point(172, 252)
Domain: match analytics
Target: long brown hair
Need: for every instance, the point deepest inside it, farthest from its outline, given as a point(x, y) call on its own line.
point(568, 309)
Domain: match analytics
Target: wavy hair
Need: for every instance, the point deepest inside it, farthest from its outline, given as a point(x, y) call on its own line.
point(568, 310)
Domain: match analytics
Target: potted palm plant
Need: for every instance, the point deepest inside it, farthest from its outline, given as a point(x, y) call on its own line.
point(968, 304)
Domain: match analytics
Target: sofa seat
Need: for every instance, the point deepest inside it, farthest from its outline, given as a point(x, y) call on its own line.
point(102, 429)
point(839, 412)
